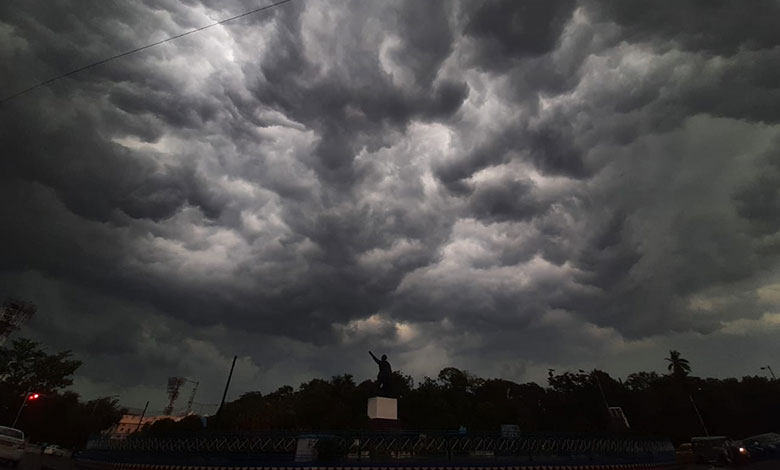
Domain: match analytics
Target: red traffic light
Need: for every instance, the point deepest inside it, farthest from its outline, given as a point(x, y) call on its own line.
point(33, 396)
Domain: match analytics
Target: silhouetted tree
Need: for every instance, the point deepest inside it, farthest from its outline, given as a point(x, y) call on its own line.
point(678, 366)
point(641, 380)
point(25, 366)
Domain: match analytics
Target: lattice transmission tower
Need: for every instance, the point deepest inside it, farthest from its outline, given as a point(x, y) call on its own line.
point(174, 386)
point(13, 314)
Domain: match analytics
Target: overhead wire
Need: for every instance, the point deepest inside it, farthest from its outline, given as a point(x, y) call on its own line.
point(138, 49)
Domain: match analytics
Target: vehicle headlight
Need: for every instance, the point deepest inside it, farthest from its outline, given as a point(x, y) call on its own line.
point(742, 450)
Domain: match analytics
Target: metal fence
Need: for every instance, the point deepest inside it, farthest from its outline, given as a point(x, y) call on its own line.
point(407, 444)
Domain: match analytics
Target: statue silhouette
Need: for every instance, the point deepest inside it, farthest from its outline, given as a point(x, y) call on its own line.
point(384, 376)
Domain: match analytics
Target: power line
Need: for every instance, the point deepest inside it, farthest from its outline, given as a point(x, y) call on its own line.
point(138, 49)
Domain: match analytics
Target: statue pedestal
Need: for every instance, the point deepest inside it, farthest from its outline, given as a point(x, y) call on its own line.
point(306, 450)
point(383, 408)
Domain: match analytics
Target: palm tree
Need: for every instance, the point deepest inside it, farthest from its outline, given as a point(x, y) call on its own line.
point(678, 366)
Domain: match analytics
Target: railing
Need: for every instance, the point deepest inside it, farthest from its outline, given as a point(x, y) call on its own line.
point(417, 445)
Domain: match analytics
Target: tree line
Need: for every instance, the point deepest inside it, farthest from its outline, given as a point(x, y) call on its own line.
point(674, 404)
point(654, 404)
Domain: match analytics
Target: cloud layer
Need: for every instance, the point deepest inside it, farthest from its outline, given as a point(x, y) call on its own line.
point(501, 186)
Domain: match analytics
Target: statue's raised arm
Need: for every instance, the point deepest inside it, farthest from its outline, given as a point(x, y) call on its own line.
point(374, 357)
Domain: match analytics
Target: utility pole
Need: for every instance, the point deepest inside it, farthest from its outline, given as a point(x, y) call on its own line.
point(696, 408)
point(19, 413)
point(143, 413)
point(603, 396)
point(769, 368)
point(601, 390)
point(227, 385)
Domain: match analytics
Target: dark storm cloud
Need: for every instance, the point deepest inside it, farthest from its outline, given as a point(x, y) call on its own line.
point(453, 171)
point(512, 200)
point(161, 195)
point(730, 49)
point(553, 151)
point(722, 27)
point(523, 42)
point(357, 104)
point(454, 182)
point(426, 44)
point(654, 279)
point(759, 200)
point(507, 31)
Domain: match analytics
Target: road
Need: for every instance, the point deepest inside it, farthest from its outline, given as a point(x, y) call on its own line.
point(766, 465)
point(36, 461)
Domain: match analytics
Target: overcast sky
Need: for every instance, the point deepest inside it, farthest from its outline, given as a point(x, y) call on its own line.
point(503, 187)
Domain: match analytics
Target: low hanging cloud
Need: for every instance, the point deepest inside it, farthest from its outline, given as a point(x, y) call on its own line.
point(499, 186)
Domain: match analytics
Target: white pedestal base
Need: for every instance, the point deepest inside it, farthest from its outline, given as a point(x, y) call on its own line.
point(306, 451)
point(382, 408)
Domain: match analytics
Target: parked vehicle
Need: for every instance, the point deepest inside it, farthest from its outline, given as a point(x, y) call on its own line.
point(719, 450)
point(56, 450)
point(684, 453)
point(11, 445)
point(763, 446)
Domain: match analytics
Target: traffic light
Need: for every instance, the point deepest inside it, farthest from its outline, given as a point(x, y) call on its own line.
point(33, 396)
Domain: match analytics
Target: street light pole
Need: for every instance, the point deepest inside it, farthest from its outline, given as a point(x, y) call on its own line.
point(696, 408)
point(141, 420)
point(227, 386)
point(19, 413)
point(769, 368)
